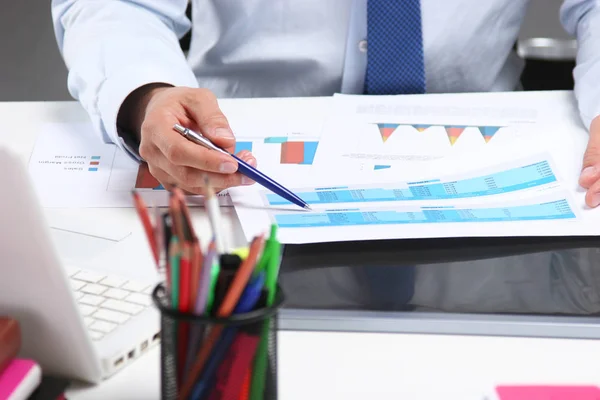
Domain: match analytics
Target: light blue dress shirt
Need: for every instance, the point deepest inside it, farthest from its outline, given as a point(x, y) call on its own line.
point(271, 48)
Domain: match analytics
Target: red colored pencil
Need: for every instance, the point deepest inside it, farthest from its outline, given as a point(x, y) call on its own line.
point(142, 211)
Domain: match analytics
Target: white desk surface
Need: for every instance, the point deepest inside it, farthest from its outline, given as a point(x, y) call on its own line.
point(317, 365)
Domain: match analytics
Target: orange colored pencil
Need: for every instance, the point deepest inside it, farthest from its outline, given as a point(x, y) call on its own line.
point(185, 210)
point(175, 211)
point(236, 288)
point(195, 269)
point(142, 211)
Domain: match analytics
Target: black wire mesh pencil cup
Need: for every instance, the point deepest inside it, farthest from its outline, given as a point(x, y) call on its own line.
point(204, 357)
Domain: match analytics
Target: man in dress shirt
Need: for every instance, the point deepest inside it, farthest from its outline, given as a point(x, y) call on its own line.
point(128, 71)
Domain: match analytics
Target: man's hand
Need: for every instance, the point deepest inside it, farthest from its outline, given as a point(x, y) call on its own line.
point(590, 174)
point(151, 112)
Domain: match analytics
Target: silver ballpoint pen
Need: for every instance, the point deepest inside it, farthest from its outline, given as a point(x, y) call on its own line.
point(244, 168)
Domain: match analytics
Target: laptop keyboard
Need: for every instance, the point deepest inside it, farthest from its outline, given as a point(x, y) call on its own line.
point(107, 301)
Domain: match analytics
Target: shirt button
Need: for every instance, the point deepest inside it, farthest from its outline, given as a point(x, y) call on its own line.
point(362, 46)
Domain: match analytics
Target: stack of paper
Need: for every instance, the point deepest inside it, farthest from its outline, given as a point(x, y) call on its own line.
point(436, 166)
point(371, 167)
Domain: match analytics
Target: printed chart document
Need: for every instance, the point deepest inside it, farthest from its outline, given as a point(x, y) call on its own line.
point(369, 135)
point(525, 197)
point(72, 167)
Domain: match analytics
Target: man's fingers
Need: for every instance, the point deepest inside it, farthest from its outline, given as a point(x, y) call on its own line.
point(590, 172)
point(202, 107)
point(170, 183)
point(161, 176)
point(185, 176)
point(180, 151)
point(248, 157)
point(592, 197)
point(589, 175)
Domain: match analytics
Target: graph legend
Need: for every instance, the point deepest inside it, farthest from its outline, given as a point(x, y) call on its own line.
point(94, 164)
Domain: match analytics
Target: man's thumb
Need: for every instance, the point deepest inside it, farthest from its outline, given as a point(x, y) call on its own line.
point(590, 172)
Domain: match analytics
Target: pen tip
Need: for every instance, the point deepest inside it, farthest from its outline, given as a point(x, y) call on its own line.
point(307, 207)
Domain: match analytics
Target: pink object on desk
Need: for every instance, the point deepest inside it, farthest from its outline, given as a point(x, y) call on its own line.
point(548, 392)
point(20, 379)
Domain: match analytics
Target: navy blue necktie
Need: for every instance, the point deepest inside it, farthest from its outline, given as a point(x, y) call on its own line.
point(395, 47)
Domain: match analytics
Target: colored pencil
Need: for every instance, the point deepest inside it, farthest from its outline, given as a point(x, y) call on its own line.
point(214, 215)
point(176, 218)
point(174, 256)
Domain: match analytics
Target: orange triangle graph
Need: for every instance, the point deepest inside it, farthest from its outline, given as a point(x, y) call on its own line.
point(454, 133)
point(386, 130)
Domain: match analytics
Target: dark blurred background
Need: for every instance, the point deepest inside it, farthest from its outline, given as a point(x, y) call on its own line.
point(31, 68)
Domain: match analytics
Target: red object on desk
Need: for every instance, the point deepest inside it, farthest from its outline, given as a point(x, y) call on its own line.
point(232, 372)
point(548, 392)
point(10, 341)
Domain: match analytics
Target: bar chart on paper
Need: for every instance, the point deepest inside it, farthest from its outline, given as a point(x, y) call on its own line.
point(516, 176)
point(289, 150)
point(72, 167)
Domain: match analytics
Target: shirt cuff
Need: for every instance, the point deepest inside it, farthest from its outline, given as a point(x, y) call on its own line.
point(117, 87)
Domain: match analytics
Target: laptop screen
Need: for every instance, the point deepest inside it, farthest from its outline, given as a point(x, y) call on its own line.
point(473, 278)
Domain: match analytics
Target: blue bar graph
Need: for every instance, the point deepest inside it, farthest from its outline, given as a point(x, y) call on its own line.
point(378, 167)
point(510, 180)
point(239, 146)
point(310, 149)
point(553, 210)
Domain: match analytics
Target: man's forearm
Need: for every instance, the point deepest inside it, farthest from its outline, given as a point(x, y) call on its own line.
point(112, 48)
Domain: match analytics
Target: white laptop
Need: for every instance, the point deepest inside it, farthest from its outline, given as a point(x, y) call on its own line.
point(78, 324)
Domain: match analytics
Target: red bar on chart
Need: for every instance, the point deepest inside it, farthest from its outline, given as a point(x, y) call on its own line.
point(144, 179)
point(292, 152)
